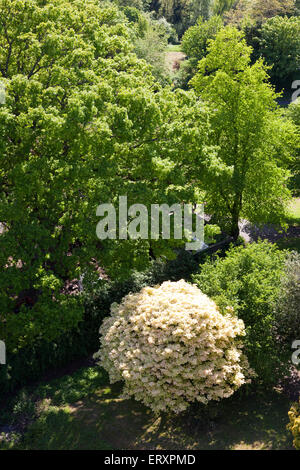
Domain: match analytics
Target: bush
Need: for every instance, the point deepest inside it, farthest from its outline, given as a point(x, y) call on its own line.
point(294, 425)
point(46, 320)
point(248, 279)
point(30, 362)
point(172, 346)
point(288, 305)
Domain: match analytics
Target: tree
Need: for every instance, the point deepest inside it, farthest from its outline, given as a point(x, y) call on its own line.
point(62, 120)
point(221, 6)
point(195, 39)
point(255, 12)
point(152, 47)
point(150, 38)
point(248, 279)
point(279, 45)
point(287, 308)
point(201, 8)
point(255, 143)
point(84, 122)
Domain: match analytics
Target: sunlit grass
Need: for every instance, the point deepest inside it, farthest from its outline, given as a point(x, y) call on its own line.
point(82, 411)
point(174, 48)
point(294, 212)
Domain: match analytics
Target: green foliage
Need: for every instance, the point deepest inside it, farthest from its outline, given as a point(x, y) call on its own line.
point(248, 279)
point(152, 48)
point(138, 4)
point(221, 6)
point(201, 8)
point(183, 13)
point(293, 113)
point(84, 122)
point(46, 319)
point(279, 45)
point(36, 357)
point(195, 39)
point(255, 145)
point(288, 305)
point(29, 410)
point(256, 12)
point(294, 425)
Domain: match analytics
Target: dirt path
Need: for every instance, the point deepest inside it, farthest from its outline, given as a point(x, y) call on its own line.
point(174, 59)
point(251, 233)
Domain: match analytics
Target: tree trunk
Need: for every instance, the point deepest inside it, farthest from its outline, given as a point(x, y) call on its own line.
point(235, 216)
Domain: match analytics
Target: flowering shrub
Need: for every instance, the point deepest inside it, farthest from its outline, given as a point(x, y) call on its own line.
point(294, 426)
point(172, 346)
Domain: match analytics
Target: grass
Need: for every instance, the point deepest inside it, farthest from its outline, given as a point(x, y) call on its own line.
point(293, 218)
point(289, 243)
point(292, 242)
point(174, 48)
point(82, 411)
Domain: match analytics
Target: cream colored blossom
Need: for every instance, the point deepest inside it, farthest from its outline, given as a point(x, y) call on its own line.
point(171, 346)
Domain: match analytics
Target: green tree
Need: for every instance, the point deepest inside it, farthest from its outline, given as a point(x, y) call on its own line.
point(152, 48)
point(195, 39)
point(257, 12)
point(279, 45)
point(293, 113)
point(84, 122)
point(287, 325)
point(255, 143)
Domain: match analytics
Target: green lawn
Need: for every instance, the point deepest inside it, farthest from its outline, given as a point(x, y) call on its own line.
point(294, 213)
point(293, 220)
point(289, 243)
point(174, 48)
point(83, 411)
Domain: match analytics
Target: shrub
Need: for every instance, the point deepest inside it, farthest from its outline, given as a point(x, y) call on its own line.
point(248, 279)
point(42, 353)
point(172, 346)
point(46, 320)
point(294, 425)
point(287, 319)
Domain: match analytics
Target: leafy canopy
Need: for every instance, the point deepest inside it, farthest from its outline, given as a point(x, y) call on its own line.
point(255, 144)
point(84, 122)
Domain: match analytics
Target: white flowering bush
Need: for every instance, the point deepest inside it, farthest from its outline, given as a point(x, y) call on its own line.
point(171, 346)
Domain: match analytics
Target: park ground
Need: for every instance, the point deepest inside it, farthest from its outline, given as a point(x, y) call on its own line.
point(83, 411)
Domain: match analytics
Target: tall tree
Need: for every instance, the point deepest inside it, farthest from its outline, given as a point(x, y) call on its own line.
point(258, 11)
point(84, 122)
point(255, 143)
point(279, 44)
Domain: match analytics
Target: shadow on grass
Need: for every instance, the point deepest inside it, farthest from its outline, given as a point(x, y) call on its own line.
point(104, 421)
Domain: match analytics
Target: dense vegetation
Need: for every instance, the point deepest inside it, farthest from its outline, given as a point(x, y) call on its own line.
point(92, 112)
